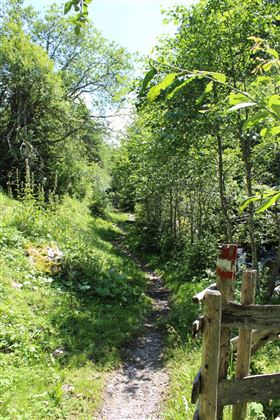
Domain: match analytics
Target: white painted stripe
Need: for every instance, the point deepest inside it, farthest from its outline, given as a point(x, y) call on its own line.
point(225, 265)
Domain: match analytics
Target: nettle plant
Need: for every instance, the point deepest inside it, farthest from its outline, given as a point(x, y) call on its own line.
point(260, 102)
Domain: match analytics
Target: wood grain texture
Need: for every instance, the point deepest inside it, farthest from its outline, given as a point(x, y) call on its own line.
point(212, 306)
point(225, 274)
point(250, 388)
point(259, 339)
point(259, 317)
point(248, 289)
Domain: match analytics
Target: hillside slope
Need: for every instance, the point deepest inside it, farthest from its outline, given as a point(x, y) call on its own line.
point(69, 302)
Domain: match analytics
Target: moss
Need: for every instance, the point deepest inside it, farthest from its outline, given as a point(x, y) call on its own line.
point(46, 258)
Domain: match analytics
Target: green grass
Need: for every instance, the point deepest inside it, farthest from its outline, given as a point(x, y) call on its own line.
point(60, 334)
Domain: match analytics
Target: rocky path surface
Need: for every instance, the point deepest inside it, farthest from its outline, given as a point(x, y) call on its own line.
point(136, 390)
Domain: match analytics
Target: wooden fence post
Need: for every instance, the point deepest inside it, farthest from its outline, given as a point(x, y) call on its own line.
point(226, 267)
point(248, 290)
point(212, 309)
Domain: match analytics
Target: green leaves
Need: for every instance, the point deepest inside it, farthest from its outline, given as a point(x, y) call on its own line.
point(239, 101)
point(147, 80)
point(274, 104)
point(155, 91)
point(270, 131)
point(248, 201)
point(67, 7)
point(255, 119)
point(241, 105)
point(180, 86)
point(268, 203)
point(78, 5)
point(268, 198)
point(187, 77)
point(208, 89)
point(218, 76)
point(237, 98)
point(273, 52)
point(81, 18)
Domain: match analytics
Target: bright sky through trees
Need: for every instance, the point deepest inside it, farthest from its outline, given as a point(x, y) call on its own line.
point(134, 24)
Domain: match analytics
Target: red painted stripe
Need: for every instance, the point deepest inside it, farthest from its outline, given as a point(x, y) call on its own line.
point(226, 275)
point(228, 252)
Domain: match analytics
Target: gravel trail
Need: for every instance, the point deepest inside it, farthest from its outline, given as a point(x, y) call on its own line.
point(136, 390)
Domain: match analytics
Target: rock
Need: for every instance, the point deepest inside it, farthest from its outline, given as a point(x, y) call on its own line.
point(17, 285)
point(67, 388)
point(59, 352)
point(46, 258)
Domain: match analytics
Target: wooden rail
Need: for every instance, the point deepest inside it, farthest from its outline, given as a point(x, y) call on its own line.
point(259, 339)
point(259, 317)
point(257, 324)
point(250, 388)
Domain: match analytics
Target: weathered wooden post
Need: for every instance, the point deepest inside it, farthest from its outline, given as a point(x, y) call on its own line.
point(248, 290)
point(212, 309)
point(226, 267)
point(220, 314)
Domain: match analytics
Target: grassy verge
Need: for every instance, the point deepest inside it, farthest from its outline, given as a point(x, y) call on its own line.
point(63, 323)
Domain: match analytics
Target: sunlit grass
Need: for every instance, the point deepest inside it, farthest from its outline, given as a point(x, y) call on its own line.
point(60, 334)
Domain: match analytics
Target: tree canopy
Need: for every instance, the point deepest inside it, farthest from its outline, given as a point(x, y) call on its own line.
point(54, 86)
point(205, 113)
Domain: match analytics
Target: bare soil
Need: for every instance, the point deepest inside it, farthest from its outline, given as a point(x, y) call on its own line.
point(137, 389)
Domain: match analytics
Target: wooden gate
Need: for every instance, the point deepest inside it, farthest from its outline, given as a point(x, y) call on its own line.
point(257, 324)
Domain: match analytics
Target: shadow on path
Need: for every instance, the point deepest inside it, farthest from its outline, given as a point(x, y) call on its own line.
point(136, 390)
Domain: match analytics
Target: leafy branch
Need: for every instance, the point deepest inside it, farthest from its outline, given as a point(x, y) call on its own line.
point(81, 16)
point(267, 106)
point(267, 199)
point(188, 76)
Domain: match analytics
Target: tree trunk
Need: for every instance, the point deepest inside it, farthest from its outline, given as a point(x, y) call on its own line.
point(228, 236)
point(171, 212)
point(191, 219)
point(246, 155)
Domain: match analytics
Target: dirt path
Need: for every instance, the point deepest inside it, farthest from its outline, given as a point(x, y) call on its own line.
point(136, 390)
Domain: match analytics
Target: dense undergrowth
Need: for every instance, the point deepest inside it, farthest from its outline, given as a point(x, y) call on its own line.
point(61, 333)
point(182, 353)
